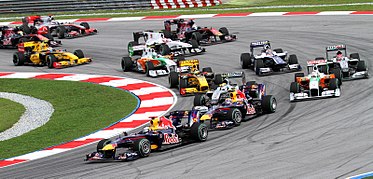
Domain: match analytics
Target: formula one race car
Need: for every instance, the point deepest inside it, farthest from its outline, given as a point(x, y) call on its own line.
point(149, 63)
point(352, 67)
point(39, 53)
point(193, 81)
point(47, 25)
point(229, 104)
point(160, 44)
point(186, 30)
point(268, 60)
point(12, 36)
point(316, 84)
point(160, 135)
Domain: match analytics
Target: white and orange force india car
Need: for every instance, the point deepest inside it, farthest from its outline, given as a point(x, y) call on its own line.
point(351, 67)
point(316, 84)
point(263, 60)
point(162, 45)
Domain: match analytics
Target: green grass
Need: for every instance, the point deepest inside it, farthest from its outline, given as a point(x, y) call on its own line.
point(10, 113)
point(244, 5)
point(80, 109)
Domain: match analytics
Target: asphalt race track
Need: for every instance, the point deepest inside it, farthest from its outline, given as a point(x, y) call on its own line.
point(330, 138)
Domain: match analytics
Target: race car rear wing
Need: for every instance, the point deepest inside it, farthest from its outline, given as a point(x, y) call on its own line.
point(260, 43)
point(335, 48)
point(189, 65)
point(316, 61)
point(240, 74)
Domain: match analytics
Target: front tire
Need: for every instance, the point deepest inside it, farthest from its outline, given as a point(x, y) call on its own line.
point(173, 79)
point(235, 116)
point(142, 146)
point(51, 59)
point(79, 53)
point(245, 60)
point(18, 59)
point(199, 131)
point(126, 63)
point(269, 104)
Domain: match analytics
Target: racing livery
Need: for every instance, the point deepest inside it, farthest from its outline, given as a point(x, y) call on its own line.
point(229, 104)
point(268, 60)
point(39, 53)
point(149, 63)
point(49, 27)
point(316, 84)
point(186, 30)
point(163, 132)
point(162, 45)
point(351, 67)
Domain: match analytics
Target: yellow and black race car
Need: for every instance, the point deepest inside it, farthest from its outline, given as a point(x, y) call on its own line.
point(39, 53)
point(190, 80)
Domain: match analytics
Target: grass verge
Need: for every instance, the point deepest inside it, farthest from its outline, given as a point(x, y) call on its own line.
point(80, 109)
point(10, 113)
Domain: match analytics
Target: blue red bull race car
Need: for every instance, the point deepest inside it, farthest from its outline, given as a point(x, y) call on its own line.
point(177, 129)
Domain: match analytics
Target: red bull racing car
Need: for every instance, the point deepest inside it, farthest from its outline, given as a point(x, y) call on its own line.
point(163, 133)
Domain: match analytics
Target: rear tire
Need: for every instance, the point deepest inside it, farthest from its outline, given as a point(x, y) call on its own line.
point(355, 56)
point(126, 63)
point(361, 66)
point(278, 50)
point(245, 60)
point(164, 49)
point(79, 53)
point(102, 144)
point(199, 99)
point(225, 33)
point(207, 69)
point(333, 84)
point(293, 59)
point(199, 131)
point(85, 25)
point(61, 30)
point(196, 36)
point(194, 44)
point(130, 48)
point(296, 75)
point(338, 74)
point(218, 79)
point(142, 146)
point(269, 104)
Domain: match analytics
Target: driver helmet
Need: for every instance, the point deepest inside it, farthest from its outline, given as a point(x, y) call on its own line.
point(339, 54)
point(227, 101)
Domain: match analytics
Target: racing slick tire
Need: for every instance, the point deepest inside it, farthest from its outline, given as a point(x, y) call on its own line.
point(294, 87)
point(183, 83)
point(173, 79)
point(323, 69)
point(361, 66)
point(50, 60)
point(218, 79)
point(23, 40)
point(61, 30)
point(278, 50)
point(355, 56)
point(167, 34)
point(148, 66)
point(196, 36)
point(194, 44)
point(79, 53)
point(199, 131)
point(235, 116)
point(207, 69)
point(126, 63)
point(338, 74)
point(199, 99)
point(130, 48)
point(269, 104)
point(102, 144)
point(142, 146)
point(333, 84)
point(293, 59)
point(164, 49)
point(180, 58)
point(225, 33)
point(258, 64)
point(85, 25)
point(18, 58)
point(245, 60)
point(296, 75)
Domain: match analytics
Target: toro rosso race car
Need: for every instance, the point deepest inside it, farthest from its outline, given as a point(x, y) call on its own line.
point(47, 24)
point(351, 67)
point(163, 133)
point(149, 63)
point(162, 45)
point(316, 84)
point(12, 36)
point(39, 53)
point(267, 60)
point(229, 104)
point(186, 30)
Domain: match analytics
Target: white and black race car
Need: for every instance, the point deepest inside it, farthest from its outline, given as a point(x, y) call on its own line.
point(162, 45)
point(267, 60)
